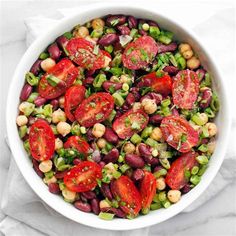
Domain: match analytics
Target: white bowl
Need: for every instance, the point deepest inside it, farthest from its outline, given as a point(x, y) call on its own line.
point(24, 163)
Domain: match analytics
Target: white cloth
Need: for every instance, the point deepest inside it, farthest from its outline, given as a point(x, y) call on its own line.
point(28, 215)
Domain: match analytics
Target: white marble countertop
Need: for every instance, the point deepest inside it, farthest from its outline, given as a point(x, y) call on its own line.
point(215, 217)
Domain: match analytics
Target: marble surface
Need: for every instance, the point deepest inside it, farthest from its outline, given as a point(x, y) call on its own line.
point(216, 217)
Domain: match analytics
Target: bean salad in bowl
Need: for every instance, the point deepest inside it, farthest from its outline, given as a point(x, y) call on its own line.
point(118, 117)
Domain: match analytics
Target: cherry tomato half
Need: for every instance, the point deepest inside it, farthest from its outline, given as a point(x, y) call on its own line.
point(41, 140)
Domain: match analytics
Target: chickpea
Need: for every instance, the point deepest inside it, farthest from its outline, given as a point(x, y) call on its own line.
point(161, 184)
point(68, 195)
point(196, 127)
point(47, 64)
point(129, 148)
point(45, 166)
point(149, 105)
point(27, 108)
point(58, 116)
point(81, 32)
point(104, 204)
point(145, 27)
point(188, 54)
point(58, 144)
point(110, 170)
point(98, 24)
point(101, 143)
point(193, 63)
point(98, 130)
point(212, 129)
point(124, 79)
point(50, 181)
point(183, 47)
point(174, 195)
point(21, 120)
point(204, 118)
point(137, 106)
point(211, 146)
point(156, 134)
point(63, 128)
point(61, 101)
point(114, 79)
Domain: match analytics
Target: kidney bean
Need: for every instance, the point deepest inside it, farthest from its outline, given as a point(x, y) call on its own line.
point(61, 174)
point(157, 168)
point(204, 141)
point(155, 119)
point(54, 188)
point(112, 156)
point(201, 74)
point(175, 112)
point(25, 92)
point(118, 47)
point(105, 189)
point(152, 23)
point(102, 164)
point(118, 212)
point(36, 67)
point(95, 206)
point(130, 99)
point(135, 92)
point(54, 104)
point(77, 161)
point(124, 30)
point(107, 85)
point(83, 206)
point(132, 22)
point(206, 98)
point(39, 101)
point(142, 32)
point(62, 41)
point(89, 195)
point(115, 20)
point(138, 175)
point(186, 188)
point(96, 156)
point(134, 161)
point(88, 81)
point(110, 136)
point(154, 96)
point(144, 150)
point(54, 51)
point(89, 72)
point(83, 199)
point(36, 168)
point(125, 107)
point(89, 135)
point(108, 39)
point(172, 70)
point(166, 48)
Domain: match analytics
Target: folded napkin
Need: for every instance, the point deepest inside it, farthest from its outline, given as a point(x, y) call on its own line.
point(28, 215)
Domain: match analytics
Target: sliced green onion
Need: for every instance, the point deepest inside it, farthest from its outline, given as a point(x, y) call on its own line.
point(165, 163)
point(109, 48)
point(49, 174)
point(166, 102)
point(133, 33)
point(215, 103)
point(110, 30)
point(31, 79)
point(205, 133)
point(195, 179)
point(68, 35)
point(83, 130)
point(99, 80)
point(116, 71)
point(23, 131)
point(75, 128)
point(119, 100)
point(165, 154)
point(203, 160)
point(125, 87)
point(159, 173)
point(32, 97)
point(124, 168)
point(197, 119)
point(47, 110)
point(145, 211)
point(121, 158)
point(53, 80)
point(181, 63)
point(106, 216)
point(162, 196)
point(111, 116)
point(164, 39)
point(202, 170)
point(151, 142)
point(155, 206)
point(26, 146)
point(146, 132)
point(203, 148)
point(116, 60)
point(209, 112)
point(135, 139)
point(194, 170)
point(96, 33)
point(166, 204)
point(154, 31)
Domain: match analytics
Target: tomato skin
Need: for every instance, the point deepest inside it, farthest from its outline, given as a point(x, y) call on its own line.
point(185, 89)
point(83, 177)
point(162, 85)
point(73, 97)
point(41, 140)
point(175, 177)
point(125, 190)
point(78, 143)
point(173, 127)
point(64, 70)
point(81, 51)
point(94, 109)
point(147, 189)
point(139, 53)
point(124, 129)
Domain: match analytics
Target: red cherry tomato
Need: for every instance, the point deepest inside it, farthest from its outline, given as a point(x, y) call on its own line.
point(94, 109)
point(129, 123)
point(65, 71)
point(147, 189)
point(175, 177)
point(85, 54)
point(161, 84)
point(73, 97)
point(185, 89)
point(178, 133)
point(139, 53)
point(124, 190)
point(83, 177)
point(41, 140)
point(78, 143)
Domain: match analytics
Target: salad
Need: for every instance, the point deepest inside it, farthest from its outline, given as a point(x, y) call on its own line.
point(117, 117)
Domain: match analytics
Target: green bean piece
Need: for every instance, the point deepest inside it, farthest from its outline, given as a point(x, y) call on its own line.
point(22, 131)
point(155, 206)
point(43, 55)
point(164, 39)
point(203, 148)
point(162, 196)
point(32, 97)
point(109, 48)
point(204, 133)
point(26, 146)
point(166, 204)
point(136, 139)
point(133, 33)
point(215, 103)
point(159, 173)
point(47, 110)
point(173, 60)
point(181, 63)
point(194, 170)
point(151, 142)
point(31, 79)
point(146, 132)
point(124, 168)
point(106, 216)
point(195, 179)
point(145, 211)
point(119, 100)
point(203, 160)
point(202, 170)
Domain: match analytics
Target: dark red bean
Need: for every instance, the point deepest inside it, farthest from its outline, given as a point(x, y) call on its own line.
point(204, 141)
point(83, 206)
point(89, 195)
point(142, 32)
point(62, 41)
point(108, 39)
point(54, 104)
point(154, 96)
point(89, 135)
point(25, 92)
point(144, 150)
point(60, 174)
point(138, 175)
point(54, 51)
point(166, 48)
point(95, 206)
point(111, 136)
point(118, 47)
point(105, 189)
point(36, 67)
point(124, 30)
point(118, 212)
point(54, 188)
point(206, 98)
point(102, 164)
point(135, 92)
point(88, 81)
point(108, 85)
point(132, 22)
point(77, 161)
point(134, 161)
point(201, 74)
point(130, 99)
point(186, 188)
point(36, 168)
point(96, 156)
point(83, 199)
point(157, 168)
point(115, 20)
point(112, 156)
point(152, 23)
point(171, 70)
point(39, 101)
point(90, 72)
point(155, 119)
point(175, 112)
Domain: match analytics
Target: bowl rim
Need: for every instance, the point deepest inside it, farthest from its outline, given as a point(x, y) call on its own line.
point(116, 224)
